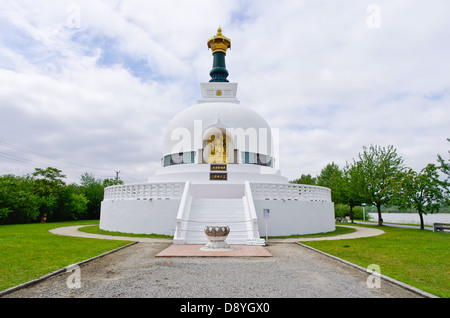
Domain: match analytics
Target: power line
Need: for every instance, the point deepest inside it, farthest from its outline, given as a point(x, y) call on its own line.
point(33, 162)
point(19, 159)
point(23, 149)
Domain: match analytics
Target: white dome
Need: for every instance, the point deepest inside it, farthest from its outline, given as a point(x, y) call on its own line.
point(246, 128)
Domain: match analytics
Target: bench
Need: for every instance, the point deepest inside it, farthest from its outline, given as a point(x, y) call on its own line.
point(344, 219)
point(441, 227)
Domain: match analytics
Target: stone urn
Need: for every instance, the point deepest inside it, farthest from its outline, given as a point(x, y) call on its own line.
point(216, 236)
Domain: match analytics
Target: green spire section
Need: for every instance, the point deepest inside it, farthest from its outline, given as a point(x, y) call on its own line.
point(219, 72)
point(219, 45)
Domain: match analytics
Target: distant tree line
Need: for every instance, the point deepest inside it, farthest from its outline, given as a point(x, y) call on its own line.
point(378, 178)
point(44, 196)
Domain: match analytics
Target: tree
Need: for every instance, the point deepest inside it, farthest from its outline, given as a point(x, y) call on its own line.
point(111, 182)
point(352, 186)
point(421, 191)
point(18, 202)
point(444, 167)
point(305, 179)
point(93, 190)
point(377, 165)
point(48, 185)
point(332, 177)
point(72, 204)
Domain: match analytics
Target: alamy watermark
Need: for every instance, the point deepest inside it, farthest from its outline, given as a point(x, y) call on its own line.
point(373, 20)
point(374, 279)
point(73, 19)
point(74, 279)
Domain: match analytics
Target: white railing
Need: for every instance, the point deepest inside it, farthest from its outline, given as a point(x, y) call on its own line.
point(299, 192)
point(260, 191)
point(183, 214)
point(249, 206)
point(145, 191)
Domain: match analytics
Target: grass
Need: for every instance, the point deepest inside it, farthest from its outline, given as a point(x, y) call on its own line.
point(419, 258)
point(94, 229)
point(29, 251)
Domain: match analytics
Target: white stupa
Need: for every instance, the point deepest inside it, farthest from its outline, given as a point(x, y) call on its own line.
point(219, 167)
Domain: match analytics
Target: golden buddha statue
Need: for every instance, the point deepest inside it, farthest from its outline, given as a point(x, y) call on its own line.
point(217, 150)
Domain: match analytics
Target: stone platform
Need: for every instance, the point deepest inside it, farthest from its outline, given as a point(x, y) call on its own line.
point(195, 251)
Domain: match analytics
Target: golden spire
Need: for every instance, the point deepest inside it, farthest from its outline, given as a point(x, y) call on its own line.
point(219, 43)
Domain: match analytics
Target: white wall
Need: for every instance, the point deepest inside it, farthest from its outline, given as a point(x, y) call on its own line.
point(295, 217)
point(411, 218)
point(140, 216)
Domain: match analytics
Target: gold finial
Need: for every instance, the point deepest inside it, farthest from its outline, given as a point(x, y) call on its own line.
point(219, 42)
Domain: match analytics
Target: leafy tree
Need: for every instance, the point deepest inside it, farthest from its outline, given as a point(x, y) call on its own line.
point(48, 185)
point(332, 177)
point(422, 191)
point(93, 190)
point(18, 202)
point(353, 183)
point(444, 167)
point(377, 165)
point(72, 204)
point(111, 182)
point(305, 179)
point(51, 176)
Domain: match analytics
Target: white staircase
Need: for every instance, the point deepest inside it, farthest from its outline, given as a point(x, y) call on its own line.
point(215, 211)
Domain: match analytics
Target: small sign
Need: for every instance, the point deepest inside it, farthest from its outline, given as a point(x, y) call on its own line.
point(215, 167)
point(218, 176)
point(266, 214)
point(256, 241)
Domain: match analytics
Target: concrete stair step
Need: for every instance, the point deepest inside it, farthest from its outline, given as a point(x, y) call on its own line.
point(206, 212)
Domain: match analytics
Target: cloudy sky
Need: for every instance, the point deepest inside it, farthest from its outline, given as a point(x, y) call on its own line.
point(89, 86)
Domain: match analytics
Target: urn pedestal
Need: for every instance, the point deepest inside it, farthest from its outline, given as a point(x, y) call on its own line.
point(216, 236)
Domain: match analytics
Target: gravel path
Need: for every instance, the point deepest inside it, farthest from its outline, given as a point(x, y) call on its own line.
point(293, 271)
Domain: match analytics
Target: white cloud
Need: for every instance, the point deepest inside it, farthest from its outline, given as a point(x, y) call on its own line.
point(102, 94)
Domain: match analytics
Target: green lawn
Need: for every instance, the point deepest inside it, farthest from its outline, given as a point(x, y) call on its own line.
point(420, 258)
point(30, 251)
